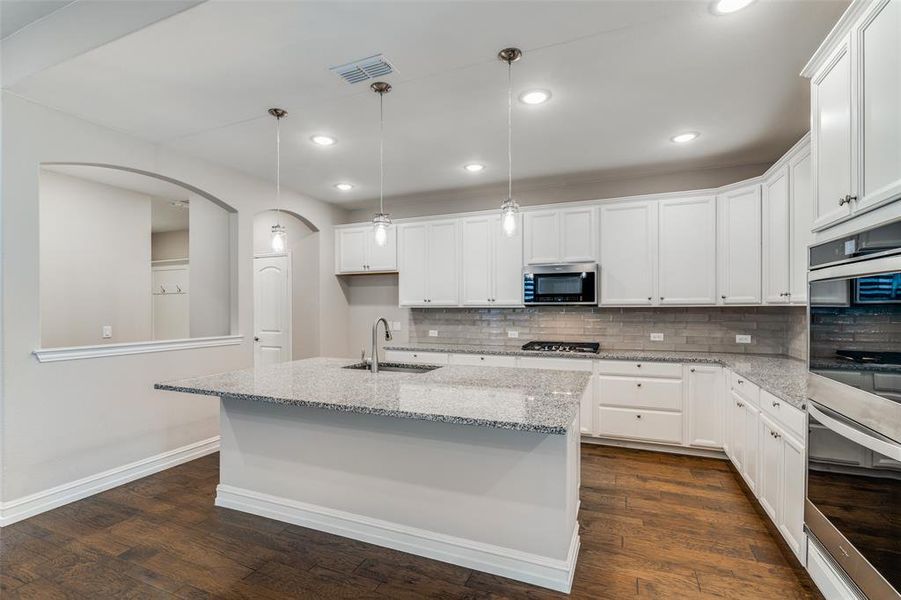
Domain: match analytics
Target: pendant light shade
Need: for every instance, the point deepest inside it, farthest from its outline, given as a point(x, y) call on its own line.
point(381, 222)
point(509, 207)
point(279, 239)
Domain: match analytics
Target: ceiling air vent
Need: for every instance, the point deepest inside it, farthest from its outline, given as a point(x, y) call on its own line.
point(363, 69)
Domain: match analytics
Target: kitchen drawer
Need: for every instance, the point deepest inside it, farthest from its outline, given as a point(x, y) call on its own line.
point(416, 358)
point(484, 360)
point(640, 392)
point(649, 425)
point(556, 364)
point(640, 368)
point(744, 388)
point(793, 419)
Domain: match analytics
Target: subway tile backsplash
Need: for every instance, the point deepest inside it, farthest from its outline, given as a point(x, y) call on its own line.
point(773, 330)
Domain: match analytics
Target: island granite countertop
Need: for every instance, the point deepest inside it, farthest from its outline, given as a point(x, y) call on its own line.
point(783, 376)
point(537, 400)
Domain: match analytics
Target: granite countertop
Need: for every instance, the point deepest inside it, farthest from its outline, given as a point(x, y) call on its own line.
point(535, 400)
point(783, 376)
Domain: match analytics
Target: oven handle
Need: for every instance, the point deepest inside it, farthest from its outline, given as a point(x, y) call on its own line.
point(864, 268)
point(847, 428)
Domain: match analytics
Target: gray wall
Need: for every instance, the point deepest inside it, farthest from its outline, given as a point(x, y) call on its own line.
point(211, 247)
point(686, 329)
point(94, 262)
point(166, 245)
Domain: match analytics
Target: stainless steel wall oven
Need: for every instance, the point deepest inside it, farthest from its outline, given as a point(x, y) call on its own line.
point(853, 506)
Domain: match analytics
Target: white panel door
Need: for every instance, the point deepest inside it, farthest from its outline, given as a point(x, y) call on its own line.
point(443, 280)
point(770, 490)
point(413, 248)
point(381, 258)
point(628, 253)
point(739, 246)
point(578, 235)
point(351, 250)
point(833, 155)
point(507, 266)
point(687, 250)
point(705, 406)
point(477, 261)
point(271, 310)
point(791, 514)
point(776, 246)
point(736, 422)
point(801, 198)
point(541, 236)
point(879, 78)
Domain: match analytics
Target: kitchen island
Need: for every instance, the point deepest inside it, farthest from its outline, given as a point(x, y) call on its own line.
point(474, 466)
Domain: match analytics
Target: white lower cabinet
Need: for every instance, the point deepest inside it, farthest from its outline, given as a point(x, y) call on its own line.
point(704, 406)
point(416, 358)
point(587, 402)
point(483, 360)
point(790, 519)
point(639, 424)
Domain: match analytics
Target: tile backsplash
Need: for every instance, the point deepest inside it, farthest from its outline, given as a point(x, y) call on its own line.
point(773, 330)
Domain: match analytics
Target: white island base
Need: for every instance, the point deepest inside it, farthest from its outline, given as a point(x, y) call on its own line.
point(495, 500)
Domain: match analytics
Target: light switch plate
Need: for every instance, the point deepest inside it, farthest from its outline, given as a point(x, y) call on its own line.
point(512, 333)
point(656, 337)
point(433, 333)
point(106, 332)
point(742, 339)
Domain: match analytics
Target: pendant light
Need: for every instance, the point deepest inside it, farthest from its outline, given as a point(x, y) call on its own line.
point(279, 234)
point(381, 222)
point(509, 208)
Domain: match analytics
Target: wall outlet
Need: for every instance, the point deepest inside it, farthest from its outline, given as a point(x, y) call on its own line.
point(395, 325)
point(656, 337)
point(742, 339)
point(433, 333)
point(512, 333)
point(106, 332)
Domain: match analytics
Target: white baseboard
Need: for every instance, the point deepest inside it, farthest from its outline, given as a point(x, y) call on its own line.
point(668, 448)
point(505, 562)
point(33, 504)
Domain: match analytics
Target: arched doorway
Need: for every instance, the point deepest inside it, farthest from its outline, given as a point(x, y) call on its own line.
point(285, 289)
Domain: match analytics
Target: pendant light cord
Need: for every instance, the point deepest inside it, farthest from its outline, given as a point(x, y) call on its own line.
point(509, 129)
point(278, 171)
point(381, 153)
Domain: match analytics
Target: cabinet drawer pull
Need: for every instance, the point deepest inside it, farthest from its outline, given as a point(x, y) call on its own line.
point(723, 296)
point(639, 385)
point(775, 404)
point(637, 416)
point(638, 365)
point(481, 358)
point(692, 369)
point(741, 381)
point(649, 298)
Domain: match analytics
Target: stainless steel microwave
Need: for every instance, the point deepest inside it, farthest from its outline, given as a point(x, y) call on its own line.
point(560, 284)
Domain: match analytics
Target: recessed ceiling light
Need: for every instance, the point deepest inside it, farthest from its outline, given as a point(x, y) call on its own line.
point(344, 187)
point(474, 167)
point(323, 140)
point(683, 138)
point(726, 7)
point(535, 96)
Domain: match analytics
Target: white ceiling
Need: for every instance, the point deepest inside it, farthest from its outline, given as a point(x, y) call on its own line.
point(163, 215)
point(16, 14)
point(625, 76)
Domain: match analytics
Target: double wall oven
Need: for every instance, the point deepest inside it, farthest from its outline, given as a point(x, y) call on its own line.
point(853, 506)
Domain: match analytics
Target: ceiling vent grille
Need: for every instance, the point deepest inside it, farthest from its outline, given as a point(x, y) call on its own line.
point(366, 68)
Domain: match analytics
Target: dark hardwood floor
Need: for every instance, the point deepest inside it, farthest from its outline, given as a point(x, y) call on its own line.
point(653, 526)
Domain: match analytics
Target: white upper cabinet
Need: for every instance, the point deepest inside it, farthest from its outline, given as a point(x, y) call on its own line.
point(567, 235)
point(832, 136)
point(491, 267)
point(687, 250)
point(738, 245)
point(428, 261)
point(776, 237)
point(801, 218)
point(628, 263)
point(357, 252)
point(878, 45)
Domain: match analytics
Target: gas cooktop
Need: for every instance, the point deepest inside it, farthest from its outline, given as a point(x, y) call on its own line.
point(583, 347)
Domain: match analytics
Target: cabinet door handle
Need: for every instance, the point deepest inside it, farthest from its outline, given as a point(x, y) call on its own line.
point(741, 381)
point(650, 298)
point(692, 369)
point(481, 358)
point(637, 416)
point(256, 339)
point(851, 199)
point(662, 298)
point(638, 365)
point(775, 404)
point(777, 435)
point(723, 296)
point(639, 385)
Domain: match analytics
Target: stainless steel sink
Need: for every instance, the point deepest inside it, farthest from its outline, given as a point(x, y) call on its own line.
point(393, 367)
